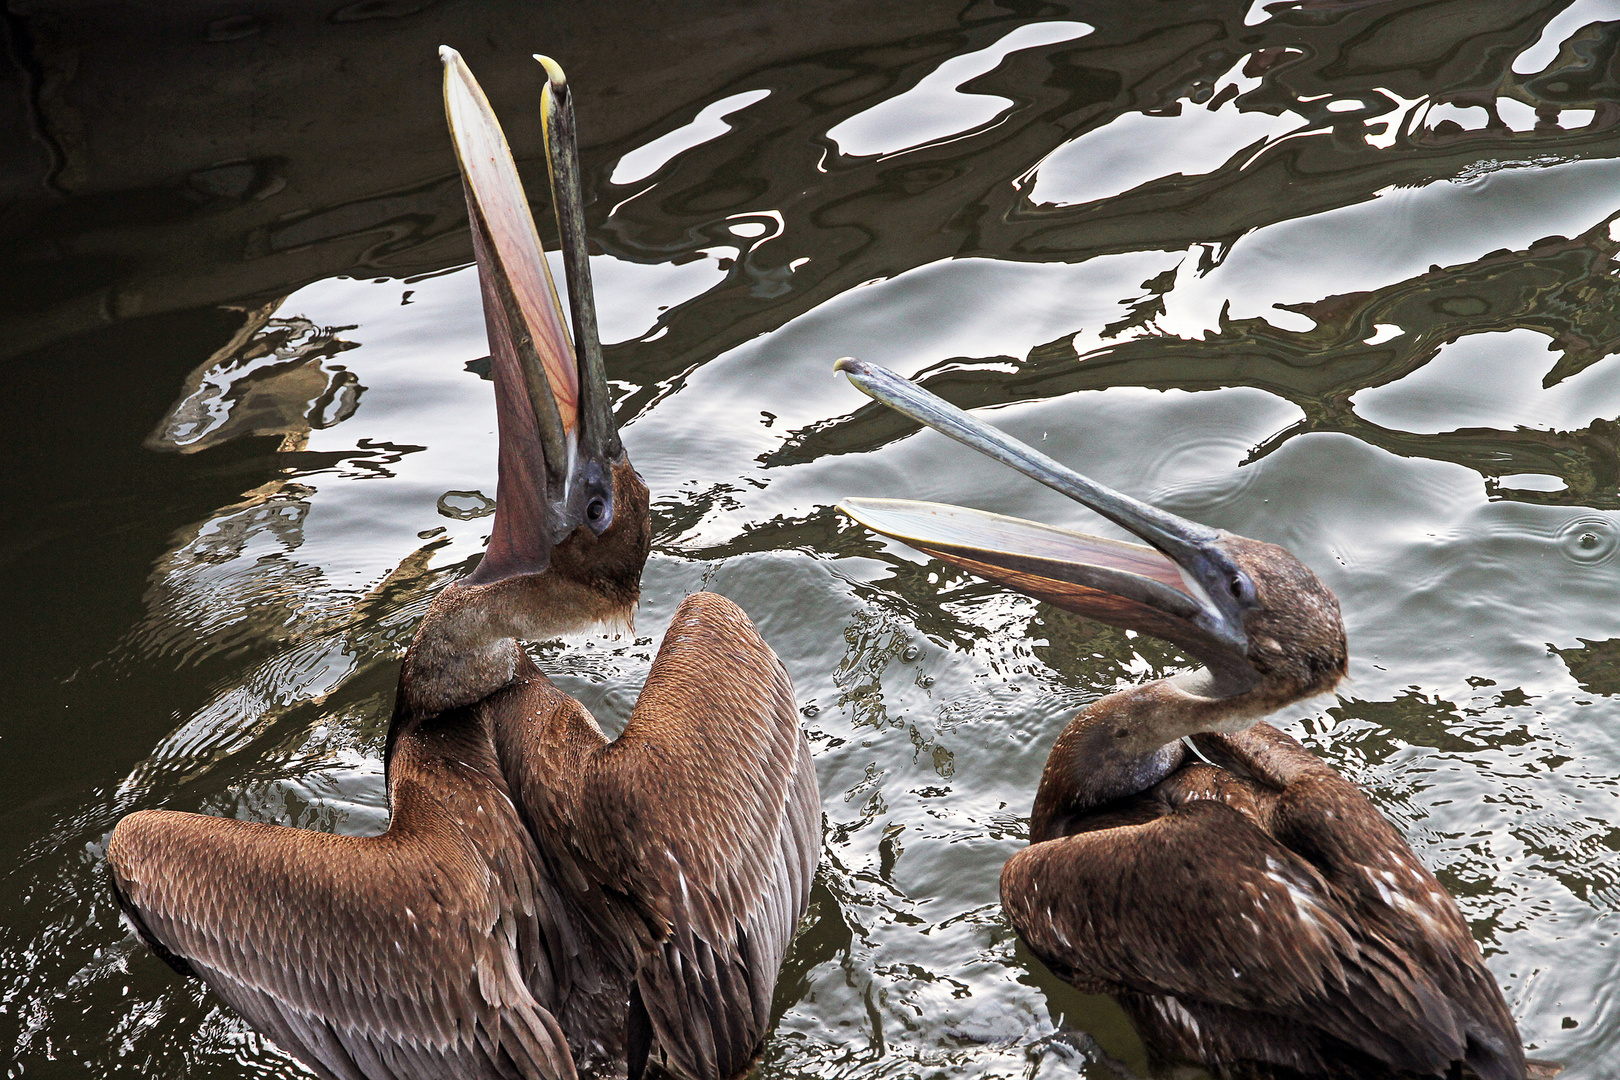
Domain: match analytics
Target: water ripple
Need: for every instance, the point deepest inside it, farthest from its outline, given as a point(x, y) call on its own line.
point(1589, 540)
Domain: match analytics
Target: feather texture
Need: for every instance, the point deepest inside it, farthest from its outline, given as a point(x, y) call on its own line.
point(1268, 915)
point(686, 847)
point(416, 953)
point(535, 880)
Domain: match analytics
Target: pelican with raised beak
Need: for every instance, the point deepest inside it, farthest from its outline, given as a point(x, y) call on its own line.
point(542, 896)
point(1247, 905)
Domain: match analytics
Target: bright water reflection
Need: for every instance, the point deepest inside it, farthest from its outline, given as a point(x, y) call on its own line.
point(1431, 422)
point(935, 109)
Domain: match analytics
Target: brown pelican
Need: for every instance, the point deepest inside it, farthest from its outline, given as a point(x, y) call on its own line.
point(542, 894)
point(1248, 906)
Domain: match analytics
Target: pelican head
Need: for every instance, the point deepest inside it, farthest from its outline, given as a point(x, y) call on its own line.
point(571, 530)
point(1262, 623)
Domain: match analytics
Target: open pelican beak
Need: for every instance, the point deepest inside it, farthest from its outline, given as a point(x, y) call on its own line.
point(1185, 588)
point(558, 443)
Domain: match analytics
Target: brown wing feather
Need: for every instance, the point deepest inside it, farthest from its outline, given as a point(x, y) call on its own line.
point(1201, 918)
point(398, 956)
point(1329, 822)
point(688, 843)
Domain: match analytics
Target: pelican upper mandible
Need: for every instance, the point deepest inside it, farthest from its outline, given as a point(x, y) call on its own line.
point(542, 895)
point(1254, 912)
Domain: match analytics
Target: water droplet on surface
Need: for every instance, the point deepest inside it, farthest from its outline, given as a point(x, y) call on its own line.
point(911, 653)
point(926, 681)
point(1589, 539)
point(811, 709)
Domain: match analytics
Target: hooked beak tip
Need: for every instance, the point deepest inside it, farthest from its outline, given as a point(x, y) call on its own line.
point(858, 371)
point(554, 72)
point(447, 55)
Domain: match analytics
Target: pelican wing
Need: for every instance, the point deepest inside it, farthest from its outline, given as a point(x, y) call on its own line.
point(1329, 822)
point(1201, 920)
point(695, 834)
point(384, 958)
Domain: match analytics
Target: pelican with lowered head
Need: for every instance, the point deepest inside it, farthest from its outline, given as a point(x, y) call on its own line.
point(543, 897)
point(1248, 907)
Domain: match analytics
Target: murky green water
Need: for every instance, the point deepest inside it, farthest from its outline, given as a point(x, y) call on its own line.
point(1342, 278)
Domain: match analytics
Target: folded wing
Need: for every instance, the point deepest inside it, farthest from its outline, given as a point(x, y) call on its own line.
point(1269, 923)
point(693, 839)
point(377, 958)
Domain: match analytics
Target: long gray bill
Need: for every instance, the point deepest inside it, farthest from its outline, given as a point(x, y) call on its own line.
point(1167, 532)
point(1195, 548)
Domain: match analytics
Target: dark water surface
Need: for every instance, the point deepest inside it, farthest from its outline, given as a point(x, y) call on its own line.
point(1341, 276)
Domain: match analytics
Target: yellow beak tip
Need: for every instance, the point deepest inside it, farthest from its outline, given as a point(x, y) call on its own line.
point(554, 71)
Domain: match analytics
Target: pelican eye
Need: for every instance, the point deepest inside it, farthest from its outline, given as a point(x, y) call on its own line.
point(1242, 588)
point(595, 509)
